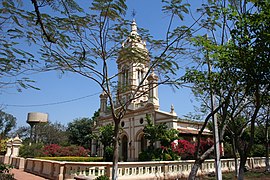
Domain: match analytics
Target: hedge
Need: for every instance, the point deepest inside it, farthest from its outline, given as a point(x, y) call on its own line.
point(73, 159)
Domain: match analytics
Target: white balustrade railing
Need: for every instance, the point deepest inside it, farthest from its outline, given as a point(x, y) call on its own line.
point(86, 169)
point(126, 170)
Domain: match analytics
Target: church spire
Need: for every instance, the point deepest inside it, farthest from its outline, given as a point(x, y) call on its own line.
point(134, 28)
point(134, 39)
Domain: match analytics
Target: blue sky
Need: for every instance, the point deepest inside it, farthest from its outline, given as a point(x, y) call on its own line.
point(56, 87)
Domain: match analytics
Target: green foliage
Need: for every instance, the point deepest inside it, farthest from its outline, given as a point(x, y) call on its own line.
point(168, 137)
point(31, 151)
point(7, 176)
point(228, 151)
point(46, 133)
point(258, 150)
point(73, 159)
point(108, 154)
point(80, 132)
point(103, 177)
point(7, 122)
point(159, 154)
point(109, 8)
point(154, 132)
point(105, 135)
point(158, 132)
point(150, 155)
point(23, 132)
point(15, 60)
point(52, 133)
point(4, 168)
point(5, 172)
point(176, 7)
point(3, 146)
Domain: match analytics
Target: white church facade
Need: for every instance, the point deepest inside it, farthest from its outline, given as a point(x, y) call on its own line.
point(131, 73)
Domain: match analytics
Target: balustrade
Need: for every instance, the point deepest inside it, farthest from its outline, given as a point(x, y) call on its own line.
point(126, 170)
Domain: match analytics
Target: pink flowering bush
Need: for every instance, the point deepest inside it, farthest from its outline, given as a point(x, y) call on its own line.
point(186, 149)
point(52, 150)
point(55, 150)
point(183, 148)
point(206, 144)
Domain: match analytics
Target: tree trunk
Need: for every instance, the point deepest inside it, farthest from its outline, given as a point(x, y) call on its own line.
point(194, 170)
point(267, 166)
point(115, 152)
point(235, 153)
point(236, 166)
point(242, 168)
point(197, 164)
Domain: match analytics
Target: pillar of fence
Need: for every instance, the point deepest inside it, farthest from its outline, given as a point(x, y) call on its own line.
point(13, 146)
point(9, 151)
point(17, 142)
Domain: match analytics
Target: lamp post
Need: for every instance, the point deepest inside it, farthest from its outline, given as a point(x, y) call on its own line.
point(215, 124)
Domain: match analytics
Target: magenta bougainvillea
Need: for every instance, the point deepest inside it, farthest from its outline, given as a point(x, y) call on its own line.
point(183, 148)
point(54, 150)
point(186, 149)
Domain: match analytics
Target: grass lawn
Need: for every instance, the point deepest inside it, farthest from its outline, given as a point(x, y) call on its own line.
point(254, 174)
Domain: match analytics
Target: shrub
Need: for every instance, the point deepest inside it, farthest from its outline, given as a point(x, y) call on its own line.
point(31, 151)
point(54, 150)
point(108, 154)
point(103, 177)
point(206, 144)
point(167, 154)
point(258, 150)
point(5, 172)
point(3, 146)
point(183, 148)
point(167, 157)
point(145, 156)
point(73, 159)
point(228, 152)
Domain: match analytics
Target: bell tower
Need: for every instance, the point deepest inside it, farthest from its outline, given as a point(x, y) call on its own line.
point(133, 64)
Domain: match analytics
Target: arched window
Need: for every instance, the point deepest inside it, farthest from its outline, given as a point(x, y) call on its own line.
point(125, 77)
point(139, 76)
point(143, 143)
point(124, 146)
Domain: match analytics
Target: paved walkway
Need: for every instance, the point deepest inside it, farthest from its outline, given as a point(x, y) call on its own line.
point(22, 175)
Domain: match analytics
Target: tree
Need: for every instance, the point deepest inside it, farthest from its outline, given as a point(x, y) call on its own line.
point(52, 133)
point(251, 38)
point(48, 133)
point(237, 79)
point(7, 122)
point(266, 117)
point(70, 39)
point(168, 137)
point(80, 132)
point(15, 61)
point(158, 133)
point(105, 136)
point(85, 43)
point(23, 132)
point(153, 132)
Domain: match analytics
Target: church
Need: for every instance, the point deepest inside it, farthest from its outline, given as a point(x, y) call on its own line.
point(130, 74)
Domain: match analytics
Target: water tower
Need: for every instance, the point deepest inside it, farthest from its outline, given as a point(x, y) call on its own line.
point(34, 118)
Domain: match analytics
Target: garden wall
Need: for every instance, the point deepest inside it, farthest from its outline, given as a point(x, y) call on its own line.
point(127, 170)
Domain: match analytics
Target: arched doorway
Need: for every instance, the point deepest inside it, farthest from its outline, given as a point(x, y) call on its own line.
point(124, 149)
